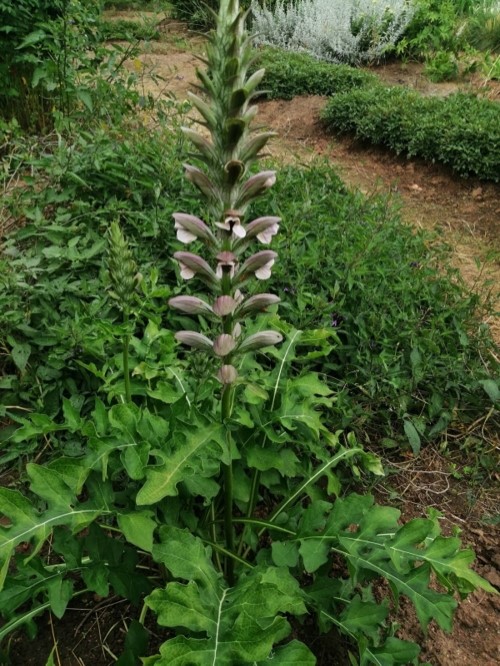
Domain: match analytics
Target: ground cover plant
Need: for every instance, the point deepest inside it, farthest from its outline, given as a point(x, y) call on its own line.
point(186, 460)
point(461, 130)
point(290, 74)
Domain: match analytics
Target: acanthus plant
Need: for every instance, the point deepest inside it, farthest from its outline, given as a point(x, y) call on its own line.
point(223, 494)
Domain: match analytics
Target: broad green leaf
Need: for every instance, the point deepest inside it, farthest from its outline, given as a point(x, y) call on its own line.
point(394, 652)
point(285, 554)
point(28, 525)
point(452, 565)
point(136, 644)
point(193, 451)
point(492, 388)
point(20, 355)
point(231, 625)
point(413, 437)
point(60, 592)
point(371, 540)
point(72, 417)
point(364, 617)
point(293, 653)
point(138, 528)
point(265, 458)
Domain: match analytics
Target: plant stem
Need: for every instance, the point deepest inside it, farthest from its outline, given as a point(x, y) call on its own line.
point(126, 344)
point(226, 407)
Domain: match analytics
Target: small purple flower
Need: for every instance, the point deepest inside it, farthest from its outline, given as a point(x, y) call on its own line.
point(191, 265)
point(259, 264)
point(264, 228)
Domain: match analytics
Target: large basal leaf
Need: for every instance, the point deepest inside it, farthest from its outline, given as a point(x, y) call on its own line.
point(57, 485)
point(191, 455)
point(393, 652)
point(371, 540)
point(220, 625)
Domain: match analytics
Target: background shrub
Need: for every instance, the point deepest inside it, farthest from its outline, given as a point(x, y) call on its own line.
point(461, 131)
point(44, 44)
point(289, 74)
point(334, 30)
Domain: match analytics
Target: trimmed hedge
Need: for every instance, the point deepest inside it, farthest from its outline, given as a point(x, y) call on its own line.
point(290, 74)
point(461, 131)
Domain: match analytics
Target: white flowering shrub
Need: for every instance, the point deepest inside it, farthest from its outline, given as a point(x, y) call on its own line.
point(349, 31)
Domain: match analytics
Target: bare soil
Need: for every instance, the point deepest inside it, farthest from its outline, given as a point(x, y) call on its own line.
point(466, 214)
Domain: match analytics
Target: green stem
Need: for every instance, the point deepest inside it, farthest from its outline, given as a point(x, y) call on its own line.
point(226, 407)
point(126, 344)
point(251, 506)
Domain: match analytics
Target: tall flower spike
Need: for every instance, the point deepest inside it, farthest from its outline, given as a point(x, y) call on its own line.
point(122, 267)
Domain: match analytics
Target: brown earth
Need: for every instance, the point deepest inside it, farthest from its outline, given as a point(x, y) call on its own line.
point(466, 214)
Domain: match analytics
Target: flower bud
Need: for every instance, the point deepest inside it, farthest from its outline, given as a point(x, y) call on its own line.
point(192, 264)
point(256, 185)
point(227, 374)
point(202, 181)
point(189, 228)
point(227, 264)
point(224, 344)
point(259, 264)
point(196, 340)
point(190, 305)
point(224, 305)
point(264, 228)
point(232, 224)
point(259, 340)
point(257, 303)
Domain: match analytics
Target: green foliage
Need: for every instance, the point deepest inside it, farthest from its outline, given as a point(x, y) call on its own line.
point(241, 624)
point(45, 50)
point(434, 27)
point(443, 66)
point(450, 26)
point(122, 29)
point(483, 28)
point(461, 131)
point(219, 508)
point(290, 74)
point(200, 14)
point(409, 351)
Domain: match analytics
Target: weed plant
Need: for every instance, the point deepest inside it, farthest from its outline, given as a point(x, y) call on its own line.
point(168, 467)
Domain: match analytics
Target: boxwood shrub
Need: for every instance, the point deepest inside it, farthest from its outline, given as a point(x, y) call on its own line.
point(461, 130)
point(290, 74)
